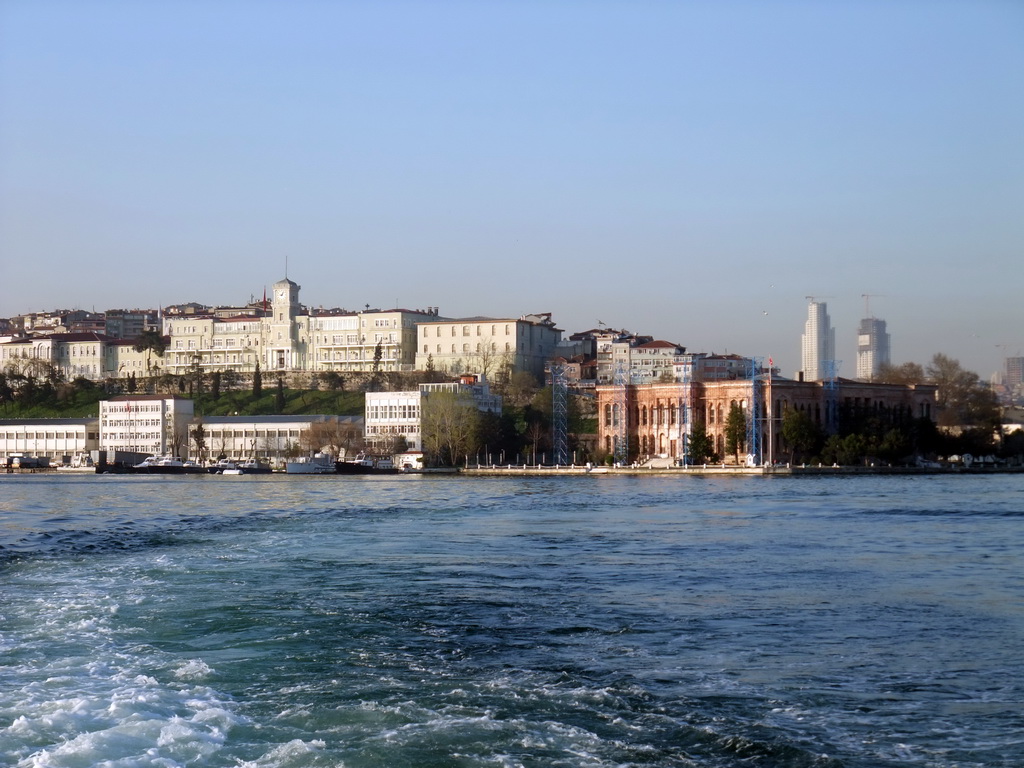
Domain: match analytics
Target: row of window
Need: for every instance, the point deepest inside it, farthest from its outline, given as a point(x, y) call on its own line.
point(383, 412)
point(90, 351)
point(45, 435)
point(133, 408)
point(392, 429)
point(440, 330)
point(356, 354)
point(228, 434)
point(466, 349)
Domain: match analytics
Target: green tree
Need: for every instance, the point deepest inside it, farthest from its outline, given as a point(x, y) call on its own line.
point(279, 401)
point(735, 430)
point(257, 382)
point(151, 342)
point(699, 446)
point(897, 444)
point(196, 377)
point(963, 398)
point(333, 380)
point(215, 381)
point(6, 390)
point(521, 388)
point(800, 433)
point(378, 355)
point(845, 451)
point(199, 439)
point(431, 373)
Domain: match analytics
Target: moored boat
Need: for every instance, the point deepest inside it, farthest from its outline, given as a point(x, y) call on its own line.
point(253, 467)
point(166, 465)
point(366, 464)
point(318, 464)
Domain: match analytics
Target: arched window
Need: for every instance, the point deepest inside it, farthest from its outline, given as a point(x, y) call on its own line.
point(643, 416)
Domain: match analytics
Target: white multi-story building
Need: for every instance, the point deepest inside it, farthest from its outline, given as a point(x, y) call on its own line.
point(88, 355)
point(55, 439)
point(486, 344)
point(288, 338)
point(640, 359)
point(818, 348)
point(390, 415)
point(152, 424)
point(872, 348)
point(269, 437)
point(360, 340)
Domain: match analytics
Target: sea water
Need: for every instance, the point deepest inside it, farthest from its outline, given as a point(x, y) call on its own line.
point(595, 621)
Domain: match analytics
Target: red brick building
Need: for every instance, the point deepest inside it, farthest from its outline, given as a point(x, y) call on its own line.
point(658, 416)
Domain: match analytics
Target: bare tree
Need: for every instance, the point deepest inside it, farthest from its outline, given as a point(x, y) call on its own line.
point(449, 426)
point(179, 440)
point(336, 437)
point(486, 358)
point(389, 445)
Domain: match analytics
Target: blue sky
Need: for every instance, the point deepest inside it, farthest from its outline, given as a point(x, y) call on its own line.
point(690, 170)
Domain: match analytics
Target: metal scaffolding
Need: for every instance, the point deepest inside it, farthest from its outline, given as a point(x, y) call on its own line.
point(684, 415)
point(754, 414)
point(832, 395)
point(620, 414)
point(559, 414)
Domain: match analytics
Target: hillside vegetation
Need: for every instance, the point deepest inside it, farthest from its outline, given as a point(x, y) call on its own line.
point(80, 399)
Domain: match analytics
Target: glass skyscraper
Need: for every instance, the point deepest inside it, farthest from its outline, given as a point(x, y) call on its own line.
point(818, 343)
point(872, 348)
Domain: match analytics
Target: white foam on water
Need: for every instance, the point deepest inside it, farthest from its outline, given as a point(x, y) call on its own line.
point(293, 754)
point(193, 669)
point(99, 698)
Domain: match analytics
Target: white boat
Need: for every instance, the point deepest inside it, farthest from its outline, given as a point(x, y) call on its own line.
point(170, 465)
point(253, 467)
point(318, 464)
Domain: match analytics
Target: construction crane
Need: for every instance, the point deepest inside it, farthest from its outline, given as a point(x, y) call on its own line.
point(867, 302)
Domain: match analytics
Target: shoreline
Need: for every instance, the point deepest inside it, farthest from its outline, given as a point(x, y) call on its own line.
point(731, 470)
point(519, 470)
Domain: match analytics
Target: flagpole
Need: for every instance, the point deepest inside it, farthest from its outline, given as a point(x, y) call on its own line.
point(771, 419)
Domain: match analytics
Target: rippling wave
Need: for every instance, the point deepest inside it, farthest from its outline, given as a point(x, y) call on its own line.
point(423, 622)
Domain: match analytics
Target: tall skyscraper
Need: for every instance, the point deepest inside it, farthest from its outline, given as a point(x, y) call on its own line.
point(872, 348)
point(818, 342)
point(1014, 372)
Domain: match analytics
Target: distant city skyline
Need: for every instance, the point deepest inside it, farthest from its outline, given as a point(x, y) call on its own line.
point(687, 170)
